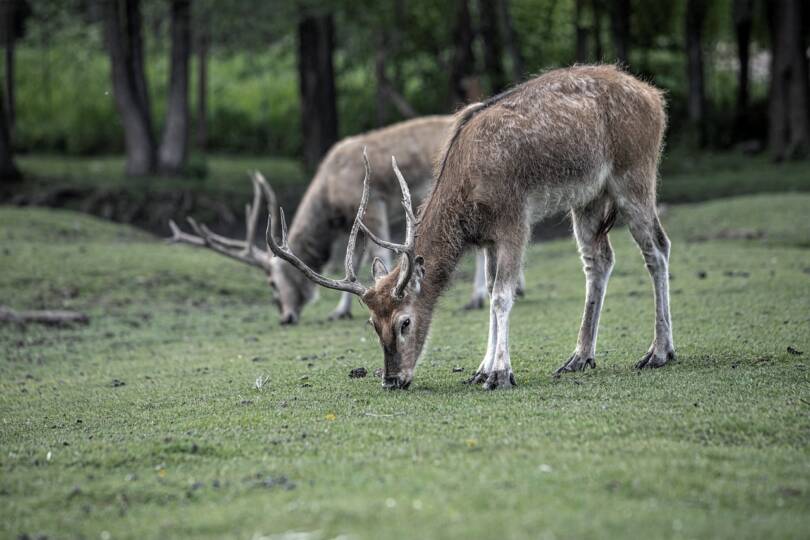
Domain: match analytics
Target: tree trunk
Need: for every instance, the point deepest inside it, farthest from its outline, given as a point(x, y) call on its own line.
point(201, 124)
point(581, 32)
point(491, 41)
point(620, 29)
point(317, 84)
point(380, 98)
point(512, 41)
point(8, 170)
point(122, 23)
point(696, 102)
point(598, 51)
point(788, 135)
point(11, 108)
point(174, 147)
point(463, 63)
point(8, 27)
point(742, 13)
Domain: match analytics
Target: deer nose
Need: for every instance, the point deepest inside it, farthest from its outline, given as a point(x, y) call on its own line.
point(288, 319)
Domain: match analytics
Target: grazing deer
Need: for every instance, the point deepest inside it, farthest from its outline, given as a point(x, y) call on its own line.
point(328, 208)
point(586, 140)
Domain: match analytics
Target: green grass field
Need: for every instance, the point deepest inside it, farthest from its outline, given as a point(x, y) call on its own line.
point(148, 422)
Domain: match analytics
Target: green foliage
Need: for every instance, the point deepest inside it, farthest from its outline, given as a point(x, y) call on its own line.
point(713, 446)
point(65, 103)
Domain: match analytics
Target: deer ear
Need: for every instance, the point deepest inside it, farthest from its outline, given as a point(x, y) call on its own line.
point(378, 269)
point(418, 274)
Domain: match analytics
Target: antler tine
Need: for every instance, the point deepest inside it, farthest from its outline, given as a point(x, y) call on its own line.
point(358, 220)
point(270, 196)
point(283, 228)
point(204, 238)
point(410, 218)
point(252, 216)
point(406, 264)
point(179, 237)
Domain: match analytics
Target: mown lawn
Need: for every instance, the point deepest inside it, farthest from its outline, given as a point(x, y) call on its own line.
point(713, 446)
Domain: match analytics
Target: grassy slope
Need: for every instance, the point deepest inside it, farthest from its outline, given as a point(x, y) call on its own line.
point(715, 445)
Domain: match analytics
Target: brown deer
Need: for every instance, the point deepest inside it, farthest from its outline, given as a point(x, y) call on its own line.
point(328, 207)
point(585, 139)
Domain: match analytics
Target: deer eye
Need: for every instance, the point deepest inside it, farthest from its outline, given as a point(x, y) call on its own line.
point(403, 327)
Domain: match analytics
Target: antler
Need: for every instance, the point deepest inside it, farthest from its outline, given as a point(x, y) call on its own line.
point(282, 250)
point(241, 250)
point(406, 249)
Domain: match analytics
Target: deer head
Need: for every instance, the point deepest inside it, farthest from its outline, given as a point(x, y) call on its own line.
point(390, 299)
point(290, 290)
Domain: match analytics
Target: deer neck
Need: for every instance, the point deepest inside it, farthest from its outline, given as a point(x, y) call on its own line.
point(441, 239)
point(312, 233)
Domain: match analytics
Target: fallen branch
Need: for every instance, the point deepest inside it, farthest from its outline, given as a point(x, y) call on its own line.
point(46, 317)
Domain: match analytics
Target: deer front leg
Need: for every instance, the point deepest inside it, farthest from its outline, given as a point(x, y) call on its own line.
point(510, 256)
point(490, 268)
point(597, 263)
point(503, 273)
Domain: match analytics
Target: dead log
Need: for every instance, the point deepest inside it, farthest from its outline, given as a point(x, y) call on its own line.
point(46, 317)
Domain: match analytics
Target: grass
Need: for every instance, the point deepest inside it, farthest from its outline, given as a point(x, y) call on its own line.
point(688, 176)
point(713, 446)
point(219, 174)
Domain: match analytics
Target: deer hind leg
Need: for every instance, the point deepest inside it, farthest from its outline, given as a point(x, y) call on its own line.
point(649, 235)
point(479, 291)
point(591, 225)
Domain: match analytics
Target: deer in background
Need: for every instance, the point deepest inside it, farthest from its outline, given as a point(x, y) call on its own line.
point(328, 207)
point(586, 140)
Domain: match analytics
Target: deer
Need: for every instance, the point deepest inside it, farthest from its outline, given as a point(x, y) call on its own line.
point(586, 140)
point(326, 211)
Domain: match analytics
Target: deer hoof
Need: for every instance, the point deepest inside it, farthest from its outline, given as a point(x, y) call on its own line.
point(340, 315)
point(500, 379)
point(575, 363)
point(476, 302)
point(655, 360)
point(479, 377)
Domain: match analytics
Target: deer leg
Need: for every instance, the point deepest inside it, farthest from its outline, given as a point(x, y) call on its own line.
point(520, 290)
point(597, 263)
point(510, 255)
point(655, 246)
point(479, 292)
point(485, 368)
